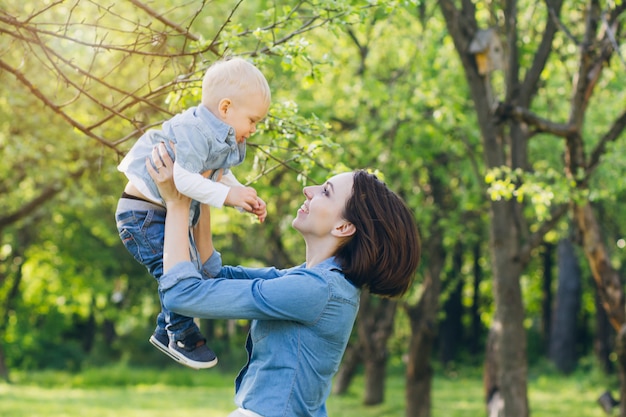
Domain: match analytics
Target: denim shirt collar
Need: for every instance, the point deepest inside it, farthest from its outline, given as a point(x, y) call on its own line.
point(329, 264)
point(222, 130)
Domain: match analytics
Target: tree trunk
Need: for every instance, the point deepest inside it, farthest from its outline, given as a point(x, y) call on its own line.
point(608, 284)
point(4, 371)
point(349, 365)
point(493, 397)
point(546, 295)
point(508, 325)
point(11, 292)
point(109, 334)
point(620, 349)
point(607, 279)
point(566, 309)
point(208, 327)
point(375, 326)
point(375, 372)
point(450, 333)
point(602, 345)
point(507, 226)
point(477, 325)
point(423, 318)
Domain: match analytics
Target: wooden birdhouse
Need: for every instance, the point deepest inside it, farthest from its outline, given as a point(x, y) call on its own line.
point(487, 49)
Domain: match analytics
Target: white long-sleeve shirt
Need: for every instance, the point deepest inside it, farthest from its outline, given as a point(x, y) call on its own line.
point(203, 189)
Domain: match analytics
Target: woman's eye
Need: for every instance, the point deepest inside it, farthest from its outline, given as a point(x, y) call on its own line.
point(324, 190)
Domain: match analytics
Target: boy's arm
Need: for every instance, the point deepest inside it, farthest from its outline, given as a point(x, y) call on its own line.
point(214, 193)
point(230, 180)
point(199, 188)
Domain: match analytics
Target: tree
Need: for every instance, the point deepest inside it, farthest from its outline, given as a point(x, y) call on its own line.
point(390, 112)
point(567, 308)
point(507, 133)
point(111, 72)
point(375, 326)
point(405, 112)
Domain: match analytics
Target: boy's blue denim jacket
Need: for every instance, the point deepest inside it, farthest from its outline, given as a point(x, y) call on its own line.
point(301, 322)
point(203, 142)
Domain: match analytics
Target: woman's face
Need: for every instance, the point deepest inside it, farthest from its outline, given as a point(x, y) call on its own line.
point(322, 211)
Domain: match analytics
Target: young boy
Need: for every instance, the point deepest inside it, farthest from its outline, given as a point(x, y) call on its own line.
point(205, 141)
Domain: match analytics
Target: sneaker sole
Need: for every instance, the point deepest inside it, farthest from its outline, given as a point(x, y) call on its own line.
point(155, 342)
point(180, 358)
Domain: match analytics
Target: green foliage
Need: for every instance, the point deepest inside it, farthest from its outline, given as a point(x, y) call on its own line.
point(541, 188)
point(370, 84)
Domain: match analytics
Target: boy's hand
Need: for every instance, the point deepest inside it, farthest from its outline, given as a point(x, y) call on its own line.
point(261, 210)
point(244, 197)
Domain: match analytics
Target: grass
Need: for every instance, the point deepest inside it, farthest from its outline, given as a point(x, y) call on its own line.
point(121, 391)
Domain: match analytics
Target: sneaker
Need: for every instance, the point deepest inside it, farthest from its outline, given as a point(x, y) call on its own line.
point(193, 352)
point(160, 340)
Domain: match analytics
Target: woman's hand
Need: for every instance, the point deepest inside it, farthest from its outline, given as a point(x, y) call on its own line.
point(163, 175)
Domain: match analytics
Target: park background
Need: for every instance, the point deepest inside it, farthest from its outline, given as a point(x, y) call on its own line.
point(501, 124)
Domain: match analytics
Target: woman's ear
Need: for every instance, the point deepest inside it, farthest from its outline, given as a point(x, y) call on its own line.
point(345, 229)
point(223, 106)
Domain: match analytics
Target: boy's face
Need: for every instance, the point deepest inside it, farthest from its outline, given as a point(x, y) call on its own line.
point(242, 114)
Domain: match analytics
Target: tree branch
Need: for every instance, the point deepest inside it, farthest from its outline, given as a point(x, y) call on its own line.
point(165, 21)
point(533, 75)
point(47, 193)
point(55, 108)
point(505, 111)
point(593, 55)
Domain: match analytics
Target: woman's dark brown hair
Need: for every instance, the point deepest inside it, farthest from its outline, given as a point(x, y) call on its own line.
point(384, 253)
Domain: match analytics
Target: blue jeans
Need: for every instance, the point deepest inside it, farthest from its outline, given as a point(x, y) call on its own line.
point(141, 226)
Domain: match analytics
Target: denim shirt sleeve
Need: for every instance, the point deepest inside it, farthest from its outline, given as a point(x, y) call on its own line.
point(212, 268)
point(242, 272)
point(300, 295)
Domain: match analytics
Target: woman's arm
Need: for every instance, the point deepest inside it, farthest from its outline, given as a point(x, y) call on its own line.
point(242, 272)
point(176, 245)
point(202, 234)
point(297, 294)
point(300, 296)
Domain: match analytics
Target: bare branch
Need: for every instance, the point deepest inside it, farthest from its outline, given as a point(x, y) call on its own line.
point(280, 162)
point(529, 85)
point(47, 193)
point(37, 93)
point(539, 125)
point(611, 29)
point(165, 21)
point(593, 56)
point(85, 47)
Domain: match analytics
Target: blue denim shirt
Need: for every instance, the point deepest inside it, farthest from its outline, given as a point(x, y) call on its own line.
point(301, 322)
point(203, 142)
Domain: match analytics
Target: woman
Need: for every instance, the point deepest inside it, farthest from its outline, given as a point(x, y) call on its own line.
point(358, 234)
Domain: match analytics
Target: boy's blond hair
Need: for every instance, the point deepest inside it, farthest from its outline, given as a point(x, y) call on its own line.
point(233, 78)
